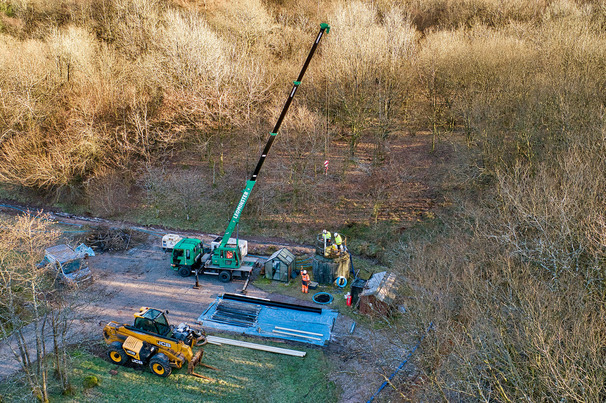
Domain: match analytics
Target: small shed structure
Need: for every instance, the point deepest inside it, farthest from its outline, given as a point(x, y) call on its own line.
point(280, 265)
point(379, 294)
point(326, 270)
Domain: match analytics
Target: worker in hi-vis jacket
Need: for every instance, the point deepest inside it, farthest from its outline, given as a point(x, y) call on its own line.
point(339, 242)
point(304, 281)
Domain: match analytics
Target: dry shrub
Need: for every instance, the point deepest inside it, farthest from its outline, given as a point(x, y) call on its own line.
point(133, 25)
point(76, 55)
point(194, 55)
point(248, 21)
point(197, 67)
point(109, 192)
point(30, 105)
point(548, 243)
point(518, 314)
point(27, 83)
point(472, 79)
point(40, 147)
point(518, 90)
point(207, 82)
point(300, 12)
point(62, 93)
point(74, 50)
point(515, 285)
point(364, 61)
point(450, 14)
point(514, 281)
point(126, 100)
point(30, 160)
point(552, 212)
point(502, 331)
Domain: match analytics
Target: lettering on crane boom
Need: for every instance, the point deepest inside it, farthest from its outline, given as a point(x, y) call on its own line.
point(241, 205)
point(164, 344)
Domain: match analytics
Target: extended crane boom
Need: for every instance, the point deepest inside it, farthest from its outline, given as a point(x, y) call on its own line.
point(229, 256)
point(225, 258)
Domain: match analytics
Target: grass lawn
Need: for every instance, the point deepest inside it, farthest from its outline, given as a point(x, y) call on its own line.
point(244, 375)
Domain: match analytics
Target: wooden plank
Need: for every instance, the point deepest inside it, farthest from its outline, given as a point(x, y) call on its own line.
point(299, 331)
point(254, 346)
point(216, 343)
point(296, 334)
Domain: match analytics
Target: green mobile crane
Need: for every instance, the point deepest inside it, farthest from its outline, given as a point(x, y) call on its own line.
point(226, 255)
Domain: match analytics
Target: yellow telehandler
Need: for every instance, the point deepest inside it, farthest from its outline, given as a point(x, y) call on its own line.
point(152, 341)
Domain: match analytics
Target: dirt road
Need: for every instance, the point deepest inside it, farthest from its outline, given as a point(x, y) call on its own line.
point(142, 276)
point(126, 281)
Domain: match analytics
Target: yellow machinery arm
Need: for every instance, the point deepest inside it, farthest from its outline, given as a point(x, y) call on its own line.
point(153, 342)
point(176, 351)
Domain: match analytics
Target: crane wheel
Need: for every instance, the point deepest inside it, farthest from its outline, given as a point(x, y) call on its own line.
point(184, 271)
point(160, 366)
point(116, 353)
point(225, 276)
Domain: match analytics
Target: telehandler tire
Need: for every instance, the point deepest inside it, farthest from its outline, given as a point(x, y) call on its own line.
point(116, 353)
point(225, 276)
point(184, 271)
point(160, 366)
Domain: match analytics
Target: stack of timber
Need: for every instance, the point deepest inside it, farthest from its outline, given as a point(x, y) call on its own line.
point(220, 341)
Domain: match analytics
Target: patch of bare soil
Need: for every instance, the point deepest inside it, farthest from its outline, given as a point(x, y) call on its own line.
point(399, 185)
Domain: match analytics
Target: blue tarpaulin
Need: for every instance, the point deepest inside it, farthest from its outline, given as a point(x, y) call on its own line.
point(263, 317)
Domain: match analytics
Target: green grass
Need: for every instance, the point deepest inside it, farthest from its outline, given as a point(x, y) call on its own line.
point(211, 218)
point(244, 375)
point(7, 9)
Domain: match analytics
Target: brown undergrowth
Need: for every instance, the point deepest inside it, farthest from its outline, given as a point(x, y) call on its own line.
point(159, 109)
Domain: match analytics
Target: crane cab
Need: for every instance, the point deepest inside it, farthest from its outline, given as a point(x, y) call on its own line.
point(186, 256)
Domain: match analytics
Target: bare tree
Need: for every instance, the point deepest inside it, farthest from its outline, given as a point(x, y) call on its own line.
point(364, 64)
point(35, 315)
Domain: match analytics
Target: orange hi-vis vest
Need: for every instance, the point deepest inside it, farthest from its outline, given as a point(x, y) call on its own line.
point(305, 278)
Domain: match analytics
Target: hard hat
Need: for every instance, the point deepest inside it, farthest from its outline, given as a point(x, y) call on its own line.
point(336, 234)
point(324, 231)
point(304, 272)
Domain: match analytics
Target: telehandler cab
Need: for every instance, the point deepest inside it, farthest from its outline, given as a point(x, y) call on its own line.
point(152, 341)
